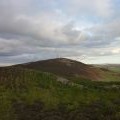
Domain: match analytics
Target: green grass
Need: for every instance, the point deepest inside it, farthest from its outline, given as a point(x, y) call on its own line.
point(110, 76)
point(29, 94)
point(115, 69)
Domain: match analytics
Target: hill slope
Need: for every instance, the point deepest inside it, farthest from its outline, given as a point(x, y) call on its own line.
point(112, 67)
point(27, 94)
point(65, 67)
point(71, 69)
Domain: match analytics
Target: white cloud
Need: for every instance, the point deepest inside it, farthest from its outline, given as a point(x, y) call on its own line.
point(96, 7)
point(28, 30)
point(116, 51)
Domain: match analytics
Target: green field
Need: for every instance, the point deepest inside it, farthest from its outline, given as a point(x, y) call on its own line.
point(115, 69)
point(32, 95)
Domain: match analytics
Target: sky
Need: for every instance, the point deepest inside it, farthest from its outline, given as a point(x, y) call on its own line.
point(84, 30)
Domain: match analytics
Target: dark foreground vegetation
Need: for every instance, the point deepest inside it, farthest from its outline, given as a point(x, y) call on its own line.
point(32, 95)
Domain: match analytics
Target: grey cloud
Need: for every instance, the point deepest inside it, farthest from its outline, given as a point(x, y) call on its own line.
point(103, 35)
point(102, 8)
point(25, 37)
point(72, 34)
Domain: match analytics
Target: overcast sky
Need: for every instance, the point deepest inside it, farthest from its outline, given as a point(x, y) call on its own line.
point(85, 30)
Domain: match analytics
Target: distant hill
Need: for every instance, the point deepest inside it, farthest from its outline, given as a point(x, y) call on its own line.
point(112, 67)
point(65, 67)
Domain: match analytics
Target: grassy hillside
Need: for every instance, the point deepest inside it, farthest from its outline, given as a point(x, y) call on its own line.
point(115, 68)
point(27, 94)
point(111, 67)
point(70, 68)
